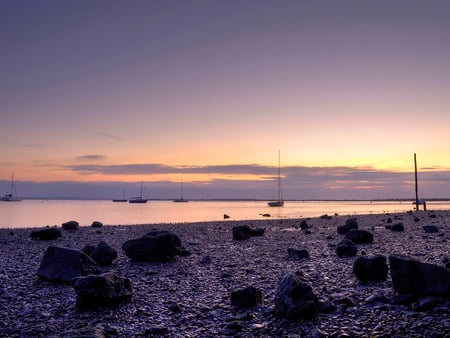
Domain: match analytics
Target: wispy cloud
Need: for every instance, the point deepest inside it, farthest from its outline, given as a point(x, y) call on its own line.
point(90, 158)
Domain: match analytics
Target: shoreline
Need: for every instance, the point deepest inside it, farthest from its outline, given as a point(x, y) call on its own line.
point(199, 285)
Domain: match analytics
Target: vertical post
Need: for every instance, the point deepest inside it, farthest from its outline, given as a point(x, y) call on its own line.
point(415, 175)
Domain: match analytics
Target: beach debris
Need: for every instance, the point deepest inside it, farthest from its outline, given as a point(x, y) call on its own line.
point(350, 224)
point(294, 298)
point(412, 277)
point(326, 216)
point(297, 254)
point(244, 232)
point(371, 268)
point(102, 254)
point(159, 245)
point(105, 290)
point(398, 227)
point(225, 216)
point(61, 265)
point(265, 215)
point(46, 234)
point(430, 229)
point(71, 225)
point(247, 297)
point(359, 236)
point(96, 224)
point(346, 248)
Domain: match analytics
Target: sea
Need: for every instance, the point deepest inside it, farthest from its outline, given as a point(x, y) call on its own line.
point(41, 213)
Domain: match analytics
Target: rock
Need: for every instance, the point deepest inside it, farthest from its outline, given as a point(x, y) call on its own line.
point(247, 297)
point(154, 246)
point(359, 236)
point(350, 224)
point(294, 298)
point(298, 253)
point(257, 231)
point(398, 227)
point(46, 234)
point(429, 229)
point(346, 248)
point(371, 269)
point(420, 279)
point(241, 232)
point(71, 225)
point(102, 254)
point(326, 216)
point(304, 225)
point(61, 265)
point(103, 290)
point(96, 224)
point(225, 216)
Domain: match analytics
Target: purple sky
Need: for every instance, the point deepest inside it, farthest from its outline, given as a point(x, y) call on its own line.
point(107, 92)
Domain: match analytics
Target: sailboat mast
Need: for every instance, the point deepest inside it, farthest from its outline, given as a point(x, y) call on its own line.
point(280, 193)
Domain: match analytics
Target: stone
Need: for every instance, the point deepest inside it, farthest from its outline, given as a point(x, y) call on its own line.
point(350, 223)
point(304, 225)
point(371, 268)
point(412, 277)
point(154, 246)
point(62, 265)
point(246, 297)
point(102, 254)
point(297, 254)
point(346, 248)
point(46, 234)
point(294, 298)
point(359, 236)
point(241, 232)
point(398, 227)
point(257, 231)
point(96, 224)
point(105, 290)
point(71, 225)
point(430, 229)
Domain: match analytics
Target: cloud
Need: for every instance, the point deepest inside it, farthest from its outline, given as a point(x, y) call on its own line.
point(90, 158)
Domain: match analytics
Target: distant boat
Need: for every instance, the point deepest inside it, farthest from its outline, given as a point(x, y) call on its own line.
point(280, 201)
point(121, 199)
point(12, 196)
point(138, 199)
point(181, 199)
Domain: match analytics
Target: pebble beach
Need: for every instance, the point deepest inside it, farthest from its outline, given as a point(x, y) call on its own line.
point(190, 296)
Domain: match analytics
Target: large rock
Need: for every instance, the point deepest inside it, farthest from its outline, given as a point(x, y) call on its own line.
point(294, 298)
point(241, 232)
point(246, 297)
point(359, 236)
point(350, 224)
point(61, 265)
point(154, 246)
point(102, 254)
point(46, 234)
point(370, 269)
point(70, 225)
point(346, 248)
point(419, 279)
point(103, 290)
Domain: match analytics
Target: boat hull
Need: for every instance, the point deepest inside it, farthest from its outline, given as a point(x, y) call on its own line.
point(276, 204)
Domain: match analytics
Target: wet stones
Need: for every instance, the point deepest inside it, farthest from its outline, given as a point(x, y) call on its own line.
point(97, 224)
point(102, 254)
point(244, 232)
point(297, 254)
point(350, 224)
point(430, 229)
point(46, 234)
point(346, 248)
point(359, 236)
point(71, 225)
point(398, 227)
point(370, 268)
point(246, 297)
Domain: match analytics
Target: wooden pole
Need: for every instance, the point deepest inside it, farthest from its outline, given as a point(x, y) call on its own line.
point(415, 174)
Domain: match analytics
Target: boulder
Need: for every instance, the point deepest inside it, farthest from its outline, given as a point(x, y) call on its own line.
point(61, 265)
point(96, 224)
point(430, 229)
point(241, 232)
point(294, 298)
point(346, 248)
point(95, 291)
point(102, 254)
point(46, 234)
point(398, 227)
point(154, 246)
point(350, 224)
point(359, 236)
point(246, 297)
point(419, 279)
point(370, 269)
point(71, 225)
point(297, 254)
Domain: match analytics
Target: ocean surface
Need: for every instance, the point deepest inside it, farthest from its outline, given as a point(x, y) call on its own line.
point(40, 213)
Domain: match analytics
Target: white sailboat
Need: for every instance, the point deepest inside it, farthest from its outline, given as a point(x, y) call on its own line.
point(138, 199)
point(181, 199)
point(12, 196)
point(280, 201)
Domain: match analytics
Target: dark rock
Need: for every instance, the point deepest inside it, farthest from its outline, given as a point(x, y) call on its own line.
point(241, 232)
point(46, 234)
point(359, 236)
point(398, 227)
point(429, 229)
point(154, 246)
point(420, 279)
point(389, 220)
point(416, 219)
point(350, 224)
point(247, 297)
point(71, 225)
point(156, 331)
point(175, 308)
point(96, 224)
point(371, 269)
point(294, 298)
point(298, 253)
point(61, 265)
point(346, 248)
point(433, 216)
point(304, 225)
point(102, 254)
point(326, 217)
point(225, 216)
point(103, 290)
point(257, 231)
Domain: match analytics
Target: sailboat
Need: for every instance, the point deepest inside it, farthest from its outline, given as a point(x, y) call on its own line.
point(279, 202)
point(12, 196)
point(138, 199)
point(123, 199)
point(181, 199)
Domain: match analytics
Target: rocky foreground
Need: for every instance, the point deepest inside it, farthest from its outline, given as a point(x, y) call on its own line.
point(190, 296)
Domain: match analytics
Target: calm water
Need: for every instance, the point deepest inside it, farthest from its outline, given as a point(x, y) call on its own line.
point(35, 213)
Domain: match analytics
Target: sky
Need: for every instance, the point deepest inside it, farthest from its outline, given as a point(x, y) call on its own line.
point(97, 96)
